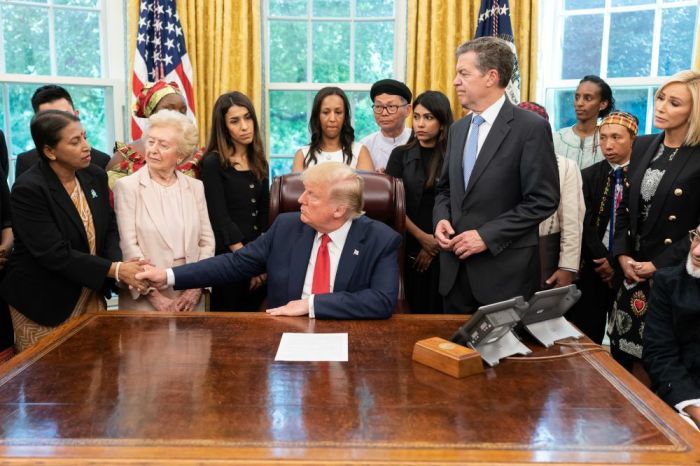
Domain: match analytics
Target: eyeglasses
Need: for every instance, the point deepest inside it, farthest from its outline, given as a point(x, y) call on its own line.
point(694, 236)
point(390, 109)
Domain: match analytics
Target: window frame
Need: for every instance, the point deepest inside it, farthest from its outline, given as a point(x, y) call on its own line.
point(113, 66)
point(551, 63)
point(400, 19)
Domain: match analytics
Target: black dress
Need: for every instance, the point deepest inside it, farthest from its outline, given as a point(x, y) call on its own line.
point(238, 205)
point(7, 336)
point(412, 165)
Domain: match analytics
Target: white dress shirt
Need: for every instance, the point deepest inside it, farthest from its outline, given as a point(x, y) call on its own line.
point(489, 115)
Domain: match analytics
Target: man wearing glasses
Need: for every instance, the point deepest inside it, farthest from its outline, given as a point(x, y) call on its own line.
point(671, 352)
point(391, 104)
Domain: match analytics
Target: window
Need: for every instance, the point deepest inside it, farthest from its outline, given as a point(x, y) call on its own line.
point(64, 42)
point(316, 43)
point(633, 44)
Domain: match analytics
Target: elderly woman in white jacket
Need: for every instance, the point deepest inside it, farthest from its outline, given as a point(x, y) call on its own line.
point(162, 214)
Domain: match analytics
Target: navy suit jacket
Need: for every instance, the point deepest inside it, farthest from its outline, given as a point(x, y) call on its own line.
point(366, 284)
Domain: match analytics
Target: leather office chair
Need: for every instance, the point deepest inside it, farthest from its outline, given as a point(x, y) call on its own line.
point(384, 201)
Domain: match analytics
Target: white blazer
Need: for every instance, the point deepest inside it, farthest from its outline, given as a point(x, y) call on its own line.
point(142, 225)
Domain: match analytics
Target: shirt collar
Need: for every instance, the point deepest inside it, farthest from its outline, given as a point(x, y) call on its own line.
point(615, 166)
point(338, 236)
point(490, 114)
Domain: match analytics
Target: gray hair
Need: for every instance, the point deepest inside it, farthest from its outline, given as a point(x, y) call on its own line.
point(187, 134)
point(346, 186)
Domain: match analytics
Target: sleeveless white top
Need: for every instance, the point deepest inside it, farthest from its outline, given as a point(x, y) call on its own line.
point(337, 156)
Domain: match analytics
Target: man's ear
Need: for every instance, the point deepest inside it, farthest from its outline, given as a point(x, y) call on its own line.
point(340, 211)
point(77, 112)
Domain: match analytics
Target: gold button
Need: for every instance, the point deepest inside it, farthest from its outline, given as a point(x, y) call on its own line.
point(667, 241)
point(672, 218)
point(678, 192)
point(627, 184)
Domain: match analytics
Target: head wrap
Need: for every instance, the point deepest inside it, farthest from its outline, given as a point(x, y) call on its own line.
point(151, 94)
point(625, 119)
point(535, 108)
point(392, 87)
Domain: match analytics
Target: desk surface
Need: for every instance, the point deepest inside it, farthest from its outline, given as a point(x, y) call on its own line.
point(197, 388)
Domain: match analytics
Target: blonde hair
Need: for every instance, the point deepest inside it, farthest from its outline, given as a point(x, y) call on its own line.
point(187, 134)
point(346, 186)
point(691, 79)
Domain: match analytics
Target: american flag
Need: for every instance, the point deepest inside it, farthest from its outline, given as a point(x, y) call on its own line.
point(160, 54)
point(494, 20)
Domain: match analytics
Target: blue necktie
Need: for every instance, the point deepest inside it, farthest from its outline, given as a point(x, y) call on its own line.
point(614, 203)
point(471, 148)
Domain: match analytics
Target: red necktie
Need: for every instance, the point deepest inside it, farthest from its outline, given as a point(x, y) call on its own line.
point(322, 268)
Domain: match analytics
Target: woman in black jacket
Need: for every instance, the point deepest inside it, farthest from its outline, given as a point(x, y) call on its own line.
point(419, 164)
point(66, 240)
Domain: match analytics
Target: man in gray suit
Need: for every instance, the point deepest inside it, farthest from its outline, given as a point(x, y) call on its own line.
point(499, 181)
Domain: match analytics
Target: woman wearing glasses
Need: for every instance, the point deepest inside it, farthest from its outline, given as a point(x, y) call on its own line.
point(660, 206)
point(332, 134)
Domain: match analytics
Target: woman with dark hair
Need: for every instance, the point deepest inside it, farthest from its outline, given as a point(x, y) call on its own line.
point(332, 134)
point(235, 176)
point(593, 99)
point(66, 251)
point(661, 205)
point(419, 164)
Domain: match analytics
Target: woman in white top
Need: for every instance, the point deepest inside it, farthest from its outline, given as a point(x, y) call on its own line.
point(593, 99)
point(162, 214)
point(332, 134)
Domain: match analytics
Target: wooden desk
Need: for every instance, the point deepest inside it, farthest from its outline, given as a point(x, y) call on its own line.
point(118, 388)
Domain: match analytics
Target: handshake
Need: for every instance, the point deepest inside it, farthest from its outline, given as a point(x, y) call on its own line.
point(139, 274)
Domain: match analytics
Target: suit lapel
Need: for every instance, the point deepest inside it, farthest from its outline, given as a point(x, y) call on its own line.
point(299, 261)
point(87, 183)
point(498, 132)
point(152, 202)
point(62, 198)
point(457, 165)
point(414, 174)
point(350, 255)
point(665, 188)
point(636, 179)
point(188, 209)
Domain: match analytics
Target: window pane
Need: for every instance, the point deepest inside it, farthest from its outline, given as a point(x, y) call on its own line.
point(288, 7)
point(374, 51)
point(563, 108)
point(579, 61)
point(75, 29)
point(331, 49)
point(26, 39)
point(21, 113)
point(280, 166)
point(287, 51)
point(633, 101)
point(625, 29)
point(335, 8)
point(92, 3)
point(289, 120)
point(631, 2)
point(677, 34)
point(362, 116)
point(580, 4)
point(90, 102)
point(374, 8)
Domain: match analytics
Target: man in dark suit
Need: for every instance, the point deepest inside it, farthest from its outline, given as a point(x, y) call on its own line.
point(52, 97)
point(4, 159)
point(328, 261)
point(499, 181)
point(671, 351)
point(604, 184)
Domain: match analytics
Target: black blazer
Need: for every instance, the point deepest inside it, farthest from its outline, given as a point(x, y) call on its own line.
point(407, 164)
point(51, 261)
point(672, 335)
point(28, 159)
point(594, 179)
point(513, 187)
point(675, 208)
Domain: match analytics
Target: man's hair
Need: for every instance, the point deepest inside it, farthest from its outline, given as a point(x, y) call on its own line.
point(691, 79)
point(187, 135)
point(49, 93)
point(346, 186)
point(492, 53)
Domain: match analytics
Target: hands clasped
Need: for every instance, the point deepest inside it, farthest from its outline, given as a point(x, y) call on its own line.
point(127, 272)
point(463, 245)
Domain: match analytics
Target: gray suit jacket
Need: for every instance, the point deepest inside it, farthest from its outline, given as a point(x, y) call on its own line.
point(513, 187)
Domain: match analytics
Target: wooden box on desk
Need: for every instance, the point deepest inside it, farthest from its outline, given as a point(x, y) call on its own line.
point(445, 356)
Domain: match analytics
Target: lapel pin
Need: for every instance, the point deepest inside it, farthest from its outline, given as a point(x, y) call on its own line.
point(93, 194)
point(356, 252)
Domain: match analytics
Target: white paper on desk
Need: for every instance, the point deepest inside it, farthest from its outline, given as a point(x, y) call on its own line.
point(549, 331)
point(313, 347)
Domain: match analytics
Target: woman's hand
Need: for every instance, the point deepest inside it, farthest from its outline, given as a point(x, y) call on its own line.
point(127, 275)
point(423, 260)
point(429, 244)
point(257, 282)
point(628, 269)
point(188, 300)
point(161, 302)
point(643, 269)
point(561, 278)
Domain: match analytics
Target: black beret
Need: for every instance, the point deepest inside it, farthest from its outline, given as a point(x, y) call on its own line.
point(390, 86)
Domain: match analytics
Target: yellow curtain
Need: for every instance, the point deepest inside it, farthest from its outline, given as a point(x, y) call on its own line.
point(437, 27)
point(223, 44)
